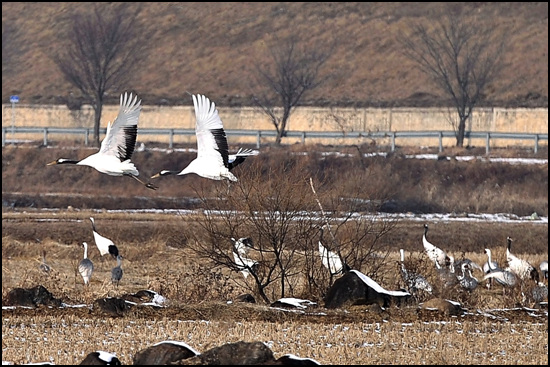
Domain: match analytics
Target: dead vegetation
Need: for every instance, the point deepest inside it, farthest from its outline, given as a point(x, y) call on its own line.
point(160, 254)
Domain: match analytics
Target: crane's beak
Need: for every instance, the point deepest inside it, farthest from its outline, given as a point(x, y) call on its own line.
point(51, 163)
point(155, 176)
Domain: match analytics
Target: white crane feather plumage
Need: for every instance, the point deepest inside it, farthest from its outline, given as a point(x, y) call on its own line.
point(115, 153)
point(437, 255)
point(104, 244)
point(213, 160)
point(518, 266)
point(331, 260)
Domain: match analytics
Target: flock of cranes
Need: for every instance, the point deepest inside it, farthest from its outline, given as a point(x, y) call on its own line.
point(461, 272)
point(105, 246)
point(214, 162)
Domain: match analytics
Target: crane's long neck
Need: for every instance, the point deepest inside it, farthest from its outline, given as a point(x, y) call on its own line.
point(451, 264)
point(490, 262)
point(67, 161)
point(85, 250)
point(402, 255)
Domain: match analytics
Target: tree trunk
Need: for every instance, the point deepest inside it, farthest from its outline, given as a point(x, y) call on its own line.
point(97, 121)
point(461, 131)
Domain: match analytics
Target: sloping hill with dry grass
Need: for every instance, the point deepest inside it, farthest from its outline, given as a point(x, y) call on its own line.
point(212, 48)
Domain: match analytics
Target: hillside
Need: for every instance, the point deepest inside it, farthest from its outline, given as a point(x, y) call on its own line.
point(212, 48)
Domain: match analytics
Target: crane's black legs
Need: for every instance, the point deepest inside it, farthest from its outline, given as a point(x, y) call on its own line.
point(146, 184)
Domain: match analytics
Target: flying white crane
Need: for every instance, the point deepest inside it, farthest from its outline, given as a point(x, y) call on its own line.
point(437, 255)
point(86, 267)
point(520, 267)
point(114, 156)
point(213, 160)
point(104, 245)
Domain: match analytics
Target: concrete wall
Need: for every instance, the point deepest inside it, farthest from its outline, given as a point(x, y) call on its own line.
point(518, 120)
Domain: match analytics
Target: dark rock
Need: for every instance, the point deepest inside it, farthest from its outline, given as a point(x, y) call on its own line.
point(31, 297)
point(111, 306)
point(355, 288)
point(164, 353)
point(239, 353)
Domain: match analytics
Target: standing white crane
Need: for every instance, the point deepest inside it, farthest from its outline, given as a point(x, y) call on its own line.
point(213, 160)
point(114, 156)
point(244, 264)
point(104, 245)
point(332, 261)
point(241, 248)
point(544, 269)
point(86, 267)
point(520, 267)
point(243, 245)
point(437, 255)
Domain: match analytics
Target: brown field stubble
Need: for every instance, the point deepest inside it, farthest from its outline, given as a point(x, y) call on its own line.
point(156, 247)
point(198, 314)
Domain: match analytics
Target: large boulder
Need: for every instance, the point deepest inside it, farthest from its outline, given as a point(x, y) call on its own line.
point(165, 352)
point(239, 353)
point(355, 288)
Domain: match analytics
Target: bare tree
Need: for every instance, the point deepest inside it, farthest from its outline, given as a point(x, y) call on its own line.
point(461, 56)
point(103, 51)
point(269, 206)
point(295, 70)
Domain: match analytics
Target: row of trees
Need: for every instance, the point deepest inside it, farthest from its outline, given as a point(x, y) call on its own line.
point(106, 46)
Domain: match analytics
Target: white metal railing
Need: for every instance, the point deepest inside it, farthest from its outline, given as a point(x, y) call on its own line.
point(303, 135)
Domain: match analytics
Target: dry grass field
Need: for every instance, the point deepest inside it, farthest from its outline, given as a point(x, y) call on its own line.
point(495, 330)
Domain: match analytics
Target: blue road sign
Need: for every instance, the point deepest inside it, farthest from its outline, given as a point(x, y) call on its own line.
point(14, 99)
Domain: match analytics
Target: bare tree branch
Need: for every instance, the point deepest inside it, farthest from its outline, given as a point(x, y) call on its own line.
point(104, 50)
point(295, 70)
point(461, 56)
